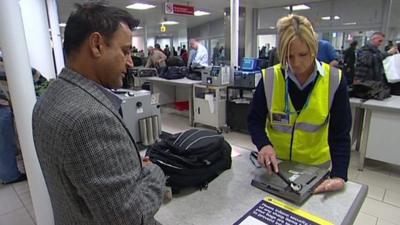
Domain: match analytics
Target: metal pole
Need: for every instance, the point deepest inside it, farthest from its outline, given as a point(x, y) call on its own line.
point(34, 17)
point(18, 71)
point(234, 33)
point(55, 34)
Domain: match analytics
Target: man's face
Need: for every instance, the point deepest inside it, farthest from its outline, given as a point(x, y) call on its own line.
point(116, 58)
point(377, 40)
point(300, 59)
point(193, 44)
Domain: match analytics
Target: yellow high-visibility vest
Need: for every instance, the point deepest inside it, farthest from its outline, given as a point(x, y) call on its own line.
point(300, 136)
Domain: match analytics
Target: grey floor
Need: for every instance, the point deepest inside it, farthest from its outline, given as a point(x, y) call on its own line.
point(381, 207)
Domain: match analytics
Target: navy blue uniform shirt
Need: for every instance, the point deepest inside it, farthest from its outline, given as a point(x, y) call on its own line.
point(339, 122)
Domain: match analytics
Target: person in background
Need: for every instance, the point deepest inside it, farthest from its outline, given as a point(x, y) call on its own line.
point(9, 172)
point(134, 50)
point(215, 54)
point(262, 53)
point(349, 58)
point(91, 165)
point(175, 53)
point(167, 51)
point(293, 115)
point(369, 65)
point(183, 50)
point(200, 55)
point(273, 58)
point(158, 47)
point(185, 56)
point(157, 59)
point(327, 53)
point(9, 146)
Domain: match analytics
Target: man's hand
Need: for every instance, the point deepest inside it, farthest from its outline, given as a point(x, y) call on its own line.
point(146, 161)
point(393, 50)
point(332, 184)
point(267, 158)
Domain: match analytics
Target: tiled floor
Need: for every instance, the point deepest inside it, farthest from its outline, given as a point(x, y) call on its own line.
point(381, 207)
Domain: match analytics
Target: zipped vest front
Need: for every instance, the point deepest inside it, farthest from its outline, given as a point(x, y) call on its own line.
point(300, 136)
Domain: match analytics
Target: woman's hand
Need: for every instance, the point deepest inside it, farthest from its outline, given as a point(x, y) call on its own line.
point(332, 184)
point(267, 158)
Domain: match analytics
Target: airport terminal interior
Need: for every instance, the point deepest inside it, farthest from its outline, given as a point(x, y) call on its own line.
point(216, 94)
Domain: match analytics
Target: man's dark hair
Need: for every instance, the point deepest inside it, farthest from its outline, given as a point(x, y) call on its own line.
point(94, 17)
point(157, 46)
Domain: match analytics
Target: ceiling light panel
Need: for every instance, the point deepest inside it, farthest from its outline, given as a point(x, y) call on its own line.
point(201, 13)
point(169, 22)
point(140, 6)
point(298, 7)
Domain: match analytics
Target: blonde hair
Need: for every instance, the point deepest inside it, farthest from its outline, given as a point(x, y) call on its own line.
point(291, 27)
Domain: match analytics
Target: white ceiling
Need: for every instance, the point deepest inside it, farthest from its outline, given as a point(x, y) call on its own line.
point(151, 18)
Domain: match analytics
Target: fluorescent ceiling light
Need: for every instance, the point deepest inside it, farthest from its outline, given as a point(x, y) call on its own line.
point(350, 23)
point(63, 24)
point(329, 18)
point(140, 6)
point(271, 27)
point(201, 13)
point(169, 22)
point(138, 28)
point(298, 7)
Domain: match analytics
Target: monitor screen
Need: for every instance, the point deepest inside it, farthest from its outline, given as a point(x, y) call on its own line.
point(215, 71)
point(249, 64)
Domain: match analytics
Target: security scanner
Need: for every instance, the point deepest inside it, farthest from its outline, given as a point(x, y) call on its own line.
point(195, 72)
point(295, 182)
point(141, 114)
point(146, 72)
point(248, 75)
point(133, 77)
point(215, 75)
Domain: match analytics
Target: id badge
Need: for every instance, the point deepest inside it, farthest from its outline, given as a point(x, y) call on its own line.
point(280, 117)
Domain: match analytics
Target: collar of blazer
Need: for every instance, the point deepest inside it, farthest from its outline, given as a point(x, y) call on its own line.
point(92, 89)
point(89, 87)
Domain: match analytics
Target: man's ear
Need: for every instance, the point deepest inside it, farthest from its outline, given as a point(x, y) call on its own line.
point(96, 44)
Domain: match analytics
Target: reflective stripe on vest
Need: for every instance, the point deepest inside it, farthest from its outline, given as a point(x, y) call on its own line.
point(269, 89)
point(308, 141)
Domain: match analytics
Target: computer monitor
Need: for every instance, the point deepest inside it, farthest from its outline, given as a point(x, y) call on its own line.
point(249, 64)
point(215, 71)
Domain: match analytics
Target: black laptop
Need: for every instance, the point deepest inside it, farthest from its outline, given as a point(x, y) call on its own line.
point(308, 176)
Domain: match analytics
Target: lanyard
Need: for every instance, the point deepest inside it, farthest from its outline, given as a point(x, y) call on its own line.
point(287, 108)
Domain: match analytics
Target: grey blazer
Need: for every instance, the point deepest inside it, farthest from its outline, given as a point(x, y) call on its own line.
point(89, 161)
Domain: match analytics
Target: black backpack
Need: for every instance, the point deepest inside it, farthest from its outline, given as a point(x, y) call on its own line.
point(192, 158)
point(175, 61)
point(370, 90)
point(174, 72)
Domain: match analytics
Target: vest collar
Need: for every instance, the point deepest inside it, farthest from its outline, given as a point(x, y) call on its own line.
point(318, 70)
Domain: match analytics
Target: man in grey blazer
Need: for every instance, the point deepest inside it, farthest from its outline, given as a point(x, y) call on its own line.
point(93, 171)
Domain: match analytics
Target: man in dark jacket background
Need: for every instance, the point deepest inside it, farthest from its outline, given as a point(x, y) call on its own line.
point(369, 64)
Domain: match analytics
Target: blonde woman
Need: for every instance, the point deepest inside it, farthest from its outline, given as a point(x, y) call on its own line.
point(301, 110)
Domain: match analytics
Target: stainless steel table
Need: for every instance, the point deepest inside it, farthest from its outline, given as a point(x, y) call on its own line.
point(230, 196)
